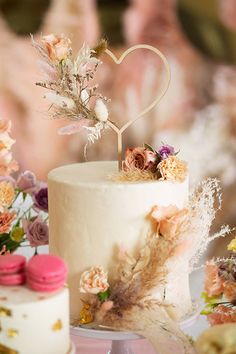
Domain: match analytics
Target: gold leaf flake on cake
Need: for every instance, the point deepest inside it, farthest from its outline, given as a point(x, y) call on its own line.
point(7, 350)
point(41, 298)
point(5, 312)
point(12, 333)
point(57, 326)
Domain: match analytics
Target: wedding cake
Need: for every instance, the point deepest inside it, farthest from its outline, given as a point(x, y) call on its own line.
point(91, 217)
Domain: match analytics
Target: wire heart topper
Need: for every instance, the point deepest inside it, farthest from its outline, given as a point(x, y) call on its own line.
point(161, 94)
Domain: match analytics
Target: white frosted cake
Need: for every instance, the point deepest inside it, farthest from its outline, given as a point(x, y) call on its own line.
point(33, 322)
point(91, 216)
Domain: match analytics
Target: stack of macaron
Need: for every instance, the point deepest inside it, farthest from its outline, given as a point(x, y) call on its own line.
point(12, 270)
point(43, 273)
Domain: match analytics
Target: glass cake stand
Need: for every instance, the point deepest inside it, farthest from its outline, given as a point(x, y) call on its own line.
point(121, 339)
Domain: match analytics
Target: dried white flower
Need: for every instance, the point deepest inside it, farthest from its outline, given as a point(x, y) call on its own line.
point(61, 101)
point(83, 60)
point(84, 96)
point(101, 111)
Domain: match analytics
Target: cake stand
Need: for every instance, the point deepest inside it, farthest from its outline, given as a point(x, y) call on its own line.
point(120, 339)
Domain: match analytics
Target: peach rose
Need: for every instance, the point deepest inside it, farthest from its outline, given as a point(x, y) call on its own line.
point(94, 281)
point(140, 158)
point(214, 285)
point(230, 290)
point(7, 194)
point(58, 47)
point(222, 314)
point(6, 219)
point(173, 169)
point(169, 219)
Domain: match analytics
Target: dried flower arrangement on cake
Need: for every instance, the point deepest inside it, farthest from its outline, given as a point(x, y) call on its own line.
point(69, 80)
point(220, 288)
point(145, 163)
point(116, 302)
point(23, 201)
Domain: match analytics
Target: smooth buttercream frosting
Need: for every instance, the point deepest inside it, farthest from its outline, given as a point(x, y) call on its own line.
point(91, 216)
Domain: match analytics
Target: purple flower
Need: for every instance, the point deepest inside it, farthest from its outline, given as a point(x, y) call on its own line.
point(41, 199)
point(26, 181)
point(36, 232)
point(165, 151)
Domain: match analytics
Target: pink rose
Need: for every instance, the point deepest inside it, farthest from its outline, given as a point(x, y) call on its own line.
point(58, 48)
point(214, 285)
point(140, 158)
point(36, 232)
point(26, 181)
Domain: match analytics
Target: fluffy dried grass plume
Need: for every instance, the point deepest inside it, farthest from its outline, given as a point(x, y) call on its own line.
point(173, 169)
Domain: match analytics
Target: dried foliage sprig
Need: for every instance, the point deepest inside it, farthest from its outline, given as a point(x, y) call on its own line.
point(69, 80)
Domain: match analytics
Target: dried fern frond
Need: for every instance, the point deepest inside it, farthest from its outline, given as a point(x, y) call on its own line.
point(100, 48)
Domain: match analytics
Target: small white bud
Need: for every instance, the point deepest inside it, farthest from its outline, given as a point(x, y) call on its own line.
point(101, 111)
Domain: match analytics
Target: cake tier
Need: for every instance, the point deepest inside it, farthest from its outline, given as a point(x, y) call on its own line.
point(91, 216)
point(32, 322)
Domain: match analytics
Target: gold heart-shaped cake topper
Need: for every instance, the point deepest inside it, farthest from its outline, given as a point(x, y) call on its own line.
point(161, 94)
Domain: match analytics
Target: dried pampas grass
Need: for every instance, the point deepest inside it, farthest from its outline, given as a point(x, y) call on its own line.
point(134, 175)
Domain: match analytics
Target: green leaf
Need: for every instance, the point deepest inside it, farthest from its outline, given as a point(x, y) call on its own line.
point(104, 296)
point(148, 147)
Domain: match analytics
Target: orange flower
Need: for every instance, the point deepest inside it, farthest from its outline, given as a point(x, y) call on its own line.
point(230, 290)
point(6, 219)
point(173, 169)
point(7, 194)
point(214, 285)
point(169, 219)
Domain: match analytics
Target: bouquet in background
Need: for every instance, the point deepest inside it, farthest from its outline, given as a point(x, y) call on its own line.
point(23, 201)
point(220, 288)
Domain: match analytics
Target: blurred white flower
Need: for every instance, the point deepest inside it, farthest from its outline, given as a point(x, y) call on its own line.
point(84, 96)
point(101, 111)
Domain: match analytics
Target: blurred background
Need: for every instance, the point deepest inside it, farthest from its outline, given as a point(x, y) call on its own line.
point(197, 115)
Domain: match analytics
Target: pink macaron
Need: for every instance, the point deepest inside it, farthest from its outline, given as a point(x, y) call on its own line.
point(46, 273)
point(12, 269)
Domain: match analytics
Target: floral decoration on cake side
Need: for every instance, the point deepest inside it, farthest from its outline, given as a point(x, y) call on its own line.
point(220, 288)
point(115, 302)
point(146, 163)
